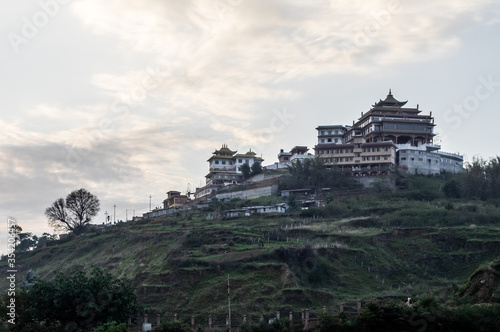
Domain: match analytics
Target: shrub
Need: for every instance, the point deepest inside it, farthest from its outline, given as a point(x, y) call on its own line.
point(111, 327)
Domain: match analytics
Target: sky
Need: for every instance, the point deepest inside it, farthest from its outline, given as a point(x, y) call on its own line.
point(128, 99)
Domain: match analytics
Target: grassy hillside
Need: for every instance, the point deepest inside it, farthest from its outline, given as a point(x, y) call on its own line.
point(354, 249)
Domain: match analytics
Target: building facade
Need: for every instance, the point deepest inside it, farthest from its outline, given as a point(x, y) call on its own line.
point(286, 159)
point(427, 159)
point(225, 169)
point(175, 200)
point(382, 139)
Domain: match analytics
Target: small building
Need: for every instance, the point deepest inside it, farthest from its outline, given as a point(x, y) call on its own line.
point(237, 213)
point(286, 159)
point(249, 210)
point(277, 208)
point(175, 199)
point(427, 159)
point(297, 192)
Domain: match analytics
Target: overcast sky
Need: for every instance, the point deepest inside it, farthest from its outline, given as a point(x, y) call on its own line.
point(129, 98)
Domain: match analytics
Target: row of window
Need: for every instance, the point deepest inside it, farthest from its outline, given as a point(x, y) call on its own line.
point(420, 159)
point(229, 162)
point(329, 132)
point(413, 151)
point(223, 162)
point(335, 151)
point(230, 177)
point(412, 127)
point(348, 159)
point(341, 151)
point(448, 161)
point(329, 140)
point(375, 149)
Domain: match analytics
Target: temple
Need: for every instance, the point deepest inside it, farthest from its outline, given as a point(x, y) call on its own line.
point(389, 135)
point(225, 169)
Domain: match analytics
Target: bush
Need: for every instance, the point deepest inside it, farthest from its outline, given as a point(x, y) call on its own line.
point(111, 327)
point(76, 301)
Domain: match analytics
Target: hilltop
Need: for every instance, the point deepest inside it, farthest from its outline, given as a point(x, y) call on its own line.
point(372, 245)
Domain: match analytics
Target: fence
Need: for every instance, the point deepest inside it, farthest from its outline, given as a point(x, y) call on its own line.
point(305, 319)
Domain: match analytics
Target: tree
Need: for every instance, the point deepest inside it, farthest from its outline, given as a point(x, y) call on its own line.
point(256, 168)
point(27, 241)
point(245, 169)
point(74, 213)
point(75, 302)
point(451, 188)
point(16, 231)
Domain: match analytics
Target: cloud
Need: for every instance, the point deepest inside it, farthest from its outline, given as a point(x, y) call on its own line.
point(144, 92)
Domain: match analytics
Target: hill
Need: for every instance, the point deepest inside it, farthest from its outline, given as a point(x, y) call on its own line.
point(357, 248)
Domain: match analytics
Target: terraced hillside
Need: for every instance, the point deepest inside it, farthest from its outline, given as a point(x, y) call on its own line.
point(354, 249)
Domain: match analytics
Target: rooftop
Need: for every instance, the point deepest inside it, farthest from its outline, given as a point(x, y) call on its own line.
point(390, 101)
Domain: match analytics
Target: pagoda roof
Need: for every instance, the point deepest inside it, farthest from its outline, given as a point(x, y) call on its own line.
point(390, 101)
point(331, 127)
point(249, 154)
point(224, 150)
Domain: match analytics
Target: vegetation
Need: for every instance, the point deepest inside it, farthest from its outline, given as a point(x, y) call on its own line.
point(26, 241)
point(74, 213)
point(427, 314)
point(72, 302)
point(256, 168)
point(312, 173)
point(245, 170)
point(431, 238)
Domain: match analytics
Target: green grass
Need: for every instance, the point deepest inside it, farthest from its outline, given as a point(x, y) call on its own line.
point(362, 249)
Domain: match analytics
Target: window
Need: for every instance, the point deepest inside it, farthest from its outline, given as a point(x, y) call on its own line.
point(420, 159)
point(239, 160)
point(223, 162)
point(217, 162)
point(329, 140)
point(322, 140)
point(336, 140)
point(356, 155)
point(286, 158)
point(364, 149)
point(404, 158)
point(386, 149)
point(385, 158)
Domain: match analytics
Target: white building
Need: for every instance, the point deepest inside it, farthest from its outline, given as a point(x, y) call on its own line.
point(225, 169)
point(286, 159)
point(427, 159)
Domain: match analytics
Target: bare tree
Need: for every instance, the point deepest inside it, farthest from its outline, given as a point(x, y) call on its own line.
point(74, 213)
